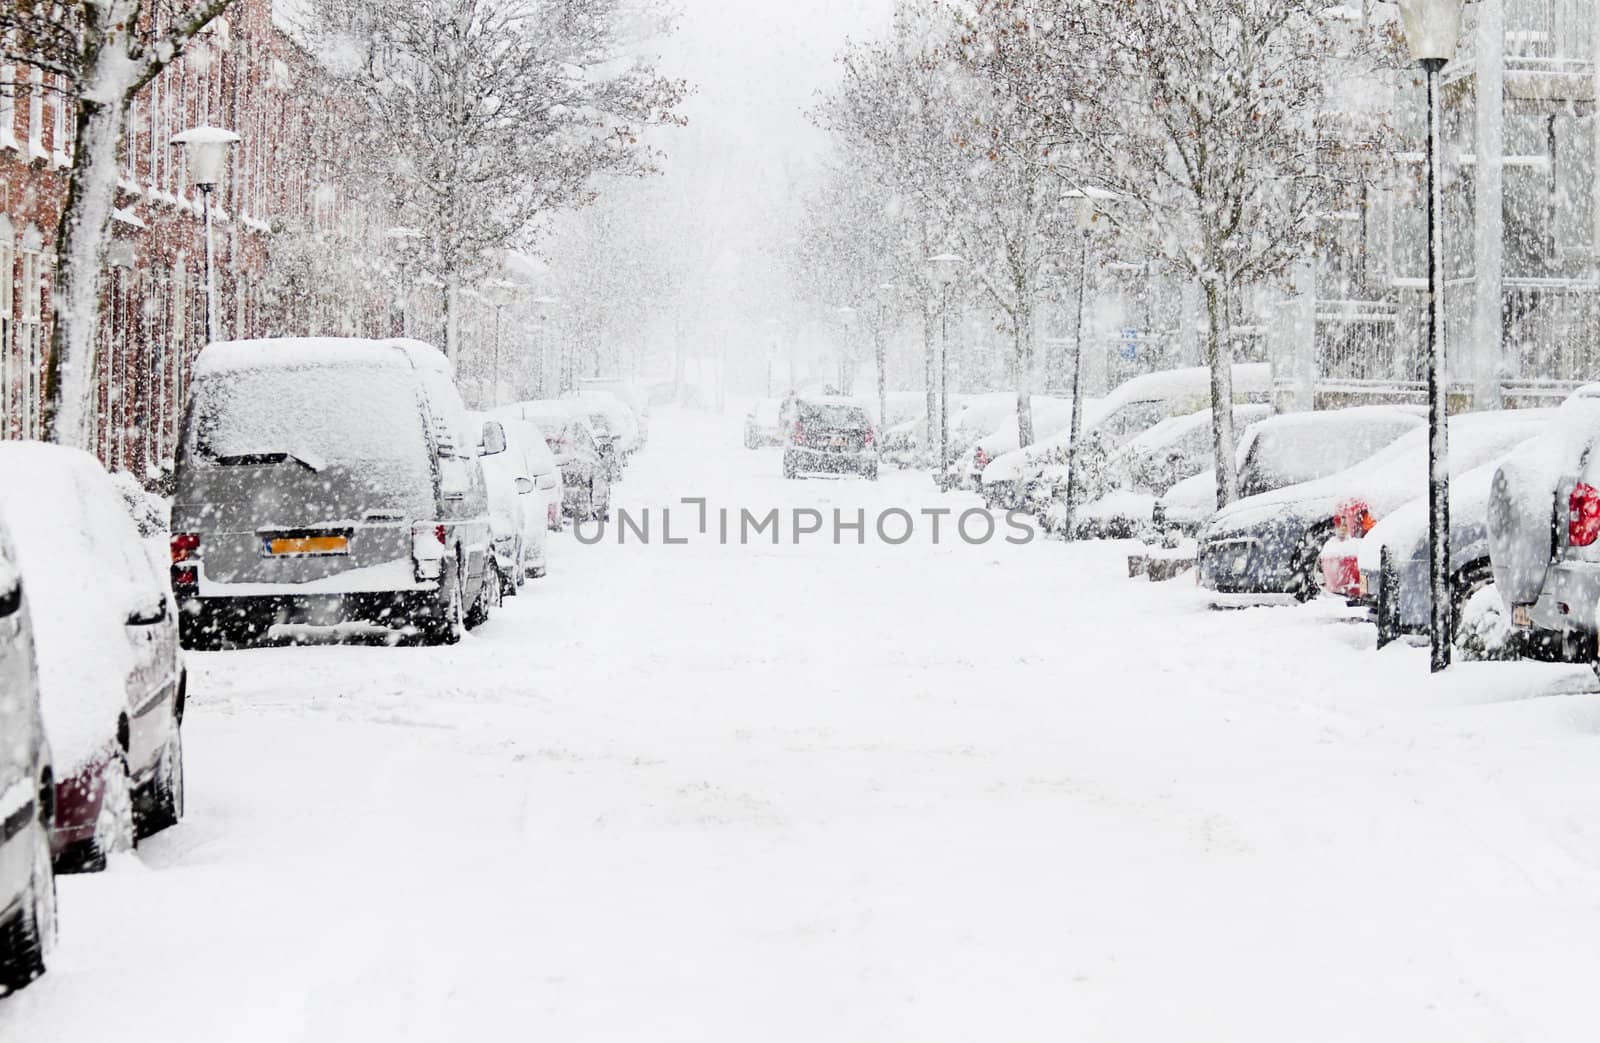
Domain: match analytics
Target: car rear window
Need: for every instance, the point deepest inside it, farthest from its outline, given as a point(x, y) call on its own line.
point(1298, 453)
point(318, 415)
point(827, 414)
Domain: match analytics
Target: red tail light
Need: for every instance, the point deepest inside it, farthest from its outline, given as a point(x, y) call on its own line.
point(1583, 515)
point(187, 577)
point(981, 458)
point(868, 440)
point(439, 534)
point(1352, 520)
point(185, 545)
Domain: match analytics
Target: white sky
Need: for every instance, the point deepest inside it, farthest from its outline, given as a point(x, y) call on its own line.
point(757, 66)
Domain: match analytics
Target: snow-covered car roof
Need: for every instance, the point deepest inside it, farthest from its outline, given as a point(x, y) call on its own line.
point(84, 568)
point(1394, 474)
point(1405, 529)
point(1249, 378)
point(1050, 415)
point(832, 400)
point(302, 352)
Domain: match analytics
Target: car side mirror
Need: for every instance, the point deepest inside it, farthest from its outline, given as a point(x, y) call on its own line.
point(547, 481)
point(148, 613)
point(524, 485)
point(10, 596)
point(494, 438)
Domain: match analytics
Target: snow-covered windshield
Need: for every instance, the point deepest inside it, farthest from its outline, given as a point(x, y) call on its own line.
point(315, 415)
point(1294, 453)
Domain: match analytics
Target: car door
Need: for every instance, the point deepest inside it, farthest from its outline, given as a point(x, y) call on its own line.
point(150, 625)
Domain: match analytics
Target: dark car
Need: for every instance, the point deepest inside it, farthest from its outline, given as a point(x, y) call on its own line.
point(1272, 543)
point(328, 484)
point(830, 436)
point(27, 792)
point(111, 679)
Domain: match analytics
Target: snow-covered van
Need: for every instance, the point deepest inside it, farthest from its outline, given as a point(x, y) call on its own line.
point(326, 482)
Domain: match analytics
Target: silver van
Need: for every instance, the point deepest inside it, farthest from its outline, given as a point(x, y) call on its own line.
point(328, 485)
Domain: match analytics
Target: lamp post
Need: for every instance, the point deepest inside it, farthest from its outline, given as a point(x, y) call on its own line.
point(1084, 215)
point(943, 270)
point(886, 293)
point(1433, 29)
point(498, 292)
point(401, 239)
point(547, 306)
point(207, 151)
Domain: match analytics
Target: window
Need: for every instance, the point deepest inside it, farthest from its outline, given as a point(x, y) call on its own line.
point(60, 122)
point(8, 272)
point(8, 106)
point(36, 116)
point(30, 331)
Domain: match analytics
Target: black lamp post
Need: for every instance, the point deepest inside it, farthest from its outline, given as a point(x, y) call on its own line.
point(1084, 215)
point(1433, 29)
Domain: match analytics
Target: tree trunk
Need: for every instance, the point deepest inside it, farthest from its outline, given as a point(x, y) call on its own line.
point(452, 319)
point(81, 234)
point(930, 378)
point(1022, 329)
point(1219, 355)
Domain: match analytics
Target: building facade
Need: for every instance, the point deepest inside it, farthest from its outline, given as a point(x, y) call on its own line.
point(283, 197)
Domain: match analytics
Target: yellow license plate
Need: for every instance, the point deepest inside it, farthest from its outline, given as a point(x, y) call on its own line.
point(309, 545)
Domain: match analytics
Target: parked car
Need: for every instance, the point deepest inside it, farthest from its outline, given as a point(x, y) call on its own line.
point(1544, 530)
point(328, 483)
point(1271, 543)
point(830, 435)
point(761, 425)
point(634, 397)
point(1050, 415)
point(1149, 465)
point(1399, 598)
point(527, 441)
point(1036, 476)
point(585, 467)
point(517, 522)
point(111, 681)
point(27, 791)
point(615, 425)
point(1285, 450)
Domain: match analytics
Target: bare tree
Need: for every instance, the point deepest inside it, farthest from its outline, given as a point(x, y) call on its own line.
point(1199, 116)
point(106, 50)
point(497, 112)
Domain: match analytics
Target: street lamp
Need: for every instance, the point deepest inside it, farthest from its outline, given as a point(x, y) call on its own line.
point(547, 307)
point(1084, 213)
point(943, 270)
point(886, 293)
point(1433, 29)
point(206, 149)
point(498, 292)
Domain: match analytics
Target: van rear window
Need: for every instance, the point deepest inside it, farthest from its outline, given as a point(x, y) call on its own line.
point(314, 415)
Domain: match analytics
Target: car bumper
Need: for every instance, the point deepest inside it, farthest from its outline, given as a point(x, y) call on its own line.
point(1238, 565)
point(1571, 599)
point(817, 461)
point(247, 618)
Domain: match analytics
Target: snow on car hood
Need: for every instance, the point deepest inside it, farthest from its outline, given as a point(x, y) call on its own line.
point(1389, 478)
point(1405, 530)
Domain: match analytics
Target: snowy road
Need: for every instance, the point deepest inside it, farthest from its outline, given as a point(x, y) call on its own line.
point(697, 792)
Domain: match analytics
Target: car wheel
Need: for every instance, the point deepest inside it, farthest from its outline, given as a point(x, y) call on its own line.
point(28, 939)
point(166, 797)
point(114, 830)
point(488, 597)
point(789, 470)
point(538, 573)
point(1305, 570)
point(445, 627)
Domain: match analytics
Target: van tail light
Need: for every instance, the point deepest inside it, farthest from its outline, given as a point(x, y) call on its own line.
point(980, 458)
point(1583, 515)
point(869, 439)
point(185, 580)
point(1352, 520)
point(427, 550)
point(185, 546)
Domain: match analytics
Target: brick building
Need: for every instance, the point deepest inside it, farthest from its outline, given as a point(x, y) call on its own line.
point(283, 192)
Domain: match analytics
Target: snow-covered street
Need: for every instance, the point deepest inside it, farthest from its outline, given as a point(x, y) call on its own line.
point(853, 793)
